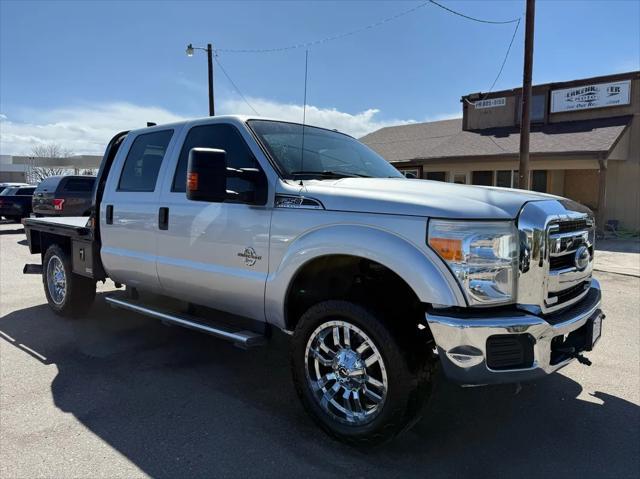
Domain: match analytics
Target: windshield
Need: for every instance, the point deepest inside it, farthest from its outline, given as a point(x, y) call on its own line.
point(320, 154)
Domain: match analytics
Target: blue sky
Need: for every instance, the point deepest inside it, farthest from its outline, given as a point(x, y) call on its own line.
point(75, 72)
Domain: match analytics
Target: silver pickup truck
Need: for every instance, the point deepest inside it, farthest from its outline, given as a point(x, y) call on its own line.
point(234, 226)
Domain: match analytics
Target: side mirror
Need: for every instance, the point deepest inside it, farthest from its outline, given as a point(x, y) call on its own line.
point(207, 175)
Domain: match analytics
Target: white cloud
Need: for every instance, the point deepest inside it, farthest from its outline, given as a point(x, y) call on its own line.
point(87, 129)
point(355, 124)
point(82, 130)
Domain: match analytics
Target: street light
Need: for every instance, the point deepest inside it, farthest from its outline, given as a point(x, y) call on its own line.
point(209, 50)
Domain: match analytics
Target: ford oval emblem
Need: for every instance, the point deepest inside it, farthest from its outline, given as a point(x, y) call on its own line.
point(582, 257)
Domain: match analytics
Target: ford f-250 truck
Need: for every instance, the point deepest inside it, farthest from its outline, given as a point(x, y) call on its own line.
point(233, 225)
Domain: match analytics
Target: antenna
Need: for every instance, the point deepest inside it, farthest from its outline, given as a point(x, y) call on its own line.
point(304, 109)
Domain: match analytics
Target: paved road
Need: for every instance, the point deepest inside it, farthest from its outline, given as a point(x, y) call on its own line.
point(618, 256)
point(117, 395)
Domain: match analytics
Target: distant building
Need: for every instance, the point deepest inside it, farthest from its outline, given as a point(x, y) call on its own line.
point(585, 143)
point(19, 168)
point(10, 172)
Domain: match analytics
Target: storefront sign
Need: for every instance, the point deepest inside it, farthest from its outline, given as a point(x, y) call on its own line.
point(490, 103)
point(591, 96)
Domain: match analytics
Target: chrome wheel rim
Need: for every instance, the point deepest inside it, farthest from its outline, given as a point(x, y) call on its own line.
point(346, 373)
point(56, 280)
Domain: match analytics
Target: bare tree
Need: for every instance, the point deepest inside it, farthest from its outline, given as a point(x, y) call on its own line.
point(48, 150)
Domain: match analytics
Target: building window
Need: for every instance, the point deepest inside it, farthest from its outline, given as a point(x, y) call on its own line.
point(460, 178)
point(539, 181)
point(483, 178)
point(437, 175)
point(507, 178)
point(503, 178)
point(538, 108)
point(412, 172)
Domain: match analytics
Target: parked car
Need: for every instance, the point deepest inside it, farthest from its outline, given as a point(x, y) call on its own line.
point(15, 202)
point(64, 196)
point(227, 226)
point(4, 186)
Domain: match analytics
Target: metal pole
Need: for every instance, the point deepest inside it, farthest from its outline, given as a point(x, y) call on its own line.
point(210, 60)
point(525, 121)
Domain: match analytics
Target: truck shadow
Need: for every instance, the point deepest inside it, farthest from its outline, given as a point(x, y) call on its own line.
point(13, 231)
point(178, 404)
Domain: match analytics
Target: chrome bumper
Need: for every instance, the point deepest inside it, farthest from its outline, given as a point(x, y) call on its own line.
point(462, 340)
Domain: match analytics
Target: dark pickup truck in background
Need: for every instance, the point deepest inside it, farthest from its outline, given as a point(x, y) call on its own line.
point(4, 186)
point(64, 196)
point(15, 202)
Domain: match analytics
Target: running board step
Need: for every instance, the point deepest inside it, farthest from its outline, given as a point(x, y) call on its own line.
point(243, 339)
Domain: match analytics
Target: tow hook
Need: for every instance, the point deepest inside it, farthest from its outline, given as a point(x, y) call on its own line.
point(572, 353)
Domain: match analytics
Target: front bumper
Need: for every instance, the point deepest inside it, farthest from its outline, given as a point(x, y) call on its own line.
point(464, 342)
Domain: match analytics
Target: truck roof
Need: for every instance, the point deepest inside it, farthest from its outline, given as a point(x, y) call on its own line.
point(237, 119)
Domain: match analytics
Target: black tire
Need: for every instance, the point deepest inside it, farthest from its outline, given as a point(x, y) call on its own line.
point(410, 370)
point(80, 291)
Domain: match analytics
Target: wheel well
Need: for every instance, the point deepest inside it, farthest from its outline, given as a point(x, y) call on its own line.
point(355, 279)
point(44, 240)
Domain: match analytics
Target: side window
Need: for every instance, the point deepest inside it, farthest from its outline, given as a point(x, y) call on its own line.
point(221, 136)
point(49, 184)
point(79, 185)
point(142, 165)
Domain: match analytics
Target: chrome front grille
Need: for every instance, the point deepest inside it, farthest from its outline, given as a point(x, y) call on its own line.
point(556, 255)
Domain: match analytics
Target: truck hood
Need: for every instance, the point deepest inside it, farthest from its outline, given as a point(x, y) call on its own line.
point(415, 197)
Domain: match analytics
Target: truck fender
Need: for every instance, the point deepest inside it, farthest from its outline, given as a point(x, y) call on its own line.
point(422, 270)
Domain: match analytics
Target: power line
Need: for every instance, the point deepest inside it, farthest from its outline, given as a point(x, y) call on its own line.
point(368, 27)
point(330, 38)
point(513, 37)
point(480, 20)
point(362, 29)
point(504, 61)
point(235, 86)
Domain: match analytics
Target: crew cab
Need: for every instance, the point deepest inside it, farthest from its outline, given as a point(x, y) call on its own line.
point(233, 226)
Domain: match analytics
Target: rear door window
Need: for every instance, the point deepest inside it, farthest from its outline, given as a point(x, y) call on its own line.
point(49, 184)
point(142, 165)
point(80, 185)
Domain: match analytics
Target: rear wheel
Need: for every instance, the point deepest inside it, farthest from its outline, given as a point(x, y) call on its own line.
point(68, 294)
point(353, 376)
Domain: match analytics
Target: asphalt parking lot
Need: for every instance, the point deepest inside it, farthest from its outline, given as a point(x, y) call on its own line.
point(118, 395)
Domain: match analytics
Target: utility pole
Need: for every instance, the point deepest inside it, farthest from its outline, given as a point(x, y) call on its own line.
point(212, 111)
point(525, 120)
point(209, 50)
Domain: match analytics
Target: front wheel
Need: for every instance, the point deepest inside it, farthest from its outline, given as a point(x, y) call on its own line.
point(68, 294)
point(353, 376)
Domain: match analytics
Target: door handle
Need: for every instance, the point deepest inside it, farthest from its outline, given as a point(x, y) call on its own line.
point(109, 219)
point(163, 218)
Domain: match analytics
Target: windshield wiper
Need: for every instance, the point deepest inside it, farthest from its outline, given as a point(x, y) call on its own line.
point(327, 174)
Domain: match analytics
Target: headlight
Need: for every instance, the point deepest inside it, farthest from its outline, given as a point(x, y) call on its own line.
point(482, 255)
